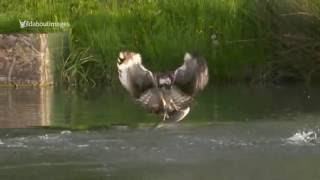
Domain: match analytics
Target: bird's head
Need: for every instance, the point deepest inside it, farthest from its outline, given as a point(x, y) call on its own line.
point(165, 81)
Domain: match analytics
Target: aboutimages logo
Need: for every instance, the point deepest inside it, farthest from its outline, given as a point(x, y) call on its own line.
point(27, 23)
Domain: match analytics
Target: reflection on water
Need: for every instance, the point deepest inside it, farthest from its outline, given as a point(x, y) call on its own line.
point(104, 107)
point(25, 107)
point(226, 103)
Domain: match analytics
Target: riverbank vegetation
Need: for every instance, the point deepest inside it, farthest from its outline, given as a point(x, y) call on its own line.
point(243, 40)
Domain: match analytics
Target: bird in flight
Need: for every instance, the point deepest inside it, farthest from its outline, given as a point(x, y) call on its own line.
point(168, 94)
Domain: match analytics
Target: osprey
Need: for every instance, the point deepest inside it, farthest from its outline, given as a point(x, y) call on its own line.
point(167, 94)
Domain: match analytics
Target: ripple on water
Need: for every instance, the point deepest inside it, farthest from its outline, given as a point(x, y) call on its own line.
point(66, 132)
point(82, 145)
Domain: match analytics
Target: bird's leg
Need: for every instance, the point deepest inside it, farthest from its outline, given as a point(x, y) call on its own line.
point(174, 105)
point(165, 115)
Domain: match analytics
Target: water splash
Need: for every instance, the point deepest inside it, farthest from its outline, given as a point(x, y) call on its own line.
point(303, 137)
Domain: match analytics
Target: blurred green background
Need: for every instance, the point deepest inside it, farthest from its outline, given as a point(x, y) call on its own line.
point(262, 41)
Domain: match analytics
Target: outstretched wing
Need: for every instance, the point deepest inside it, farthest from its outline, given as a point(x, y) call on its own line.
point(192, 76)
point(133, 75)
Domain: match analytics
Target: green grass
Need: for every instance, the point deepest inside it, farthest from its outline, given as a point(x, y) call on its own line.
point(162, 31)
point(259, 41)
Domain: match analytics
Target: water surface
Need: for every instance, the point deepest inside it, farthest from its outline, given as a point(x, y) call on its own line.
point(255, 150)
point(232, 132)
